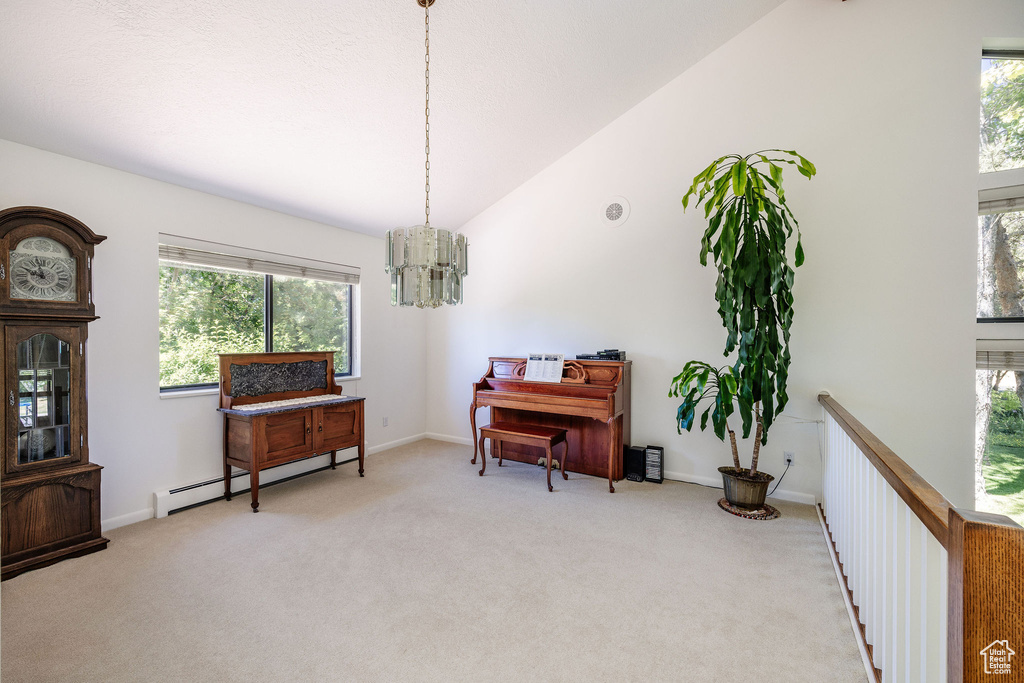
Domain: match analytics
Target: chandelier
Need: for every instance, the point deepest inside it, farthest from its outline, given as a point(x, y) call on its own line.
point(426, 264)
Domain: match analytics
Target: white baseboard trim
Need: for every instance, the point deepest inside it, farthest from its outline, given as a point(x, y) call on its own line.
point(125, 520)
point(869, 667)
point(464, 440)
point(395, 444)
point(164, 502)
point(716, 482)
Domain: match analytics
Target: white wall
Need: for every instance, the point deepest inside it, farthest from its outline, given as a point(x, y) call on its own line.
point(883, 96)
point(147, 444)
point(880, 94)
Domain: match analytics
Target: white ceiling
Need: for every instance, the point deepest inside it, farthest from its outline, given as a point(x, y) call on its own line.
point(315, 107)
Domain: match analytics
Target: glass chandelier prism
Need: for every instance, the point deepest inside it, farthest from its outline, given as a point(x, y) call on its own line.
point(427, 265)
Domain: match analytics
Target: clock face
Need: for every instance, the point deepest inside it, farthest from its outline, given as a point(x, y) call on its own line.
point(42, 270)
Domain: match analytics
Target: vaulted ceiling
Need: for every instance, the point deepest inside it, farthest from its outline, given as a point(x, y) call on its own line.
point(315, 107)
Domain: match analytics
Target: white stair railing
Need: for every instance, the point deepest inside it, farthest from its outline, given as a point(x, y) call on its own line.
point(890, 531)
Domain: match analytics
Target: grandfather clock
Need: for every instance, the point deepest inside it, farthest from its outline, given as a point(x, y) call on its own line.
point(49, 491)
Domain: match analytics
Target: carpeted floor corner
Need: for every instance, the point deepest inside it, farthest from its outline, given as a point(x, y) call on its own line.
point(424, 571)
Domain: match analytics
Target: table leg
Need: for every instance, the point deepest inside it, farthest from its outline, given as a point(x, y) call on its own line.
point(362, 437)
point(227, 467)
point(254, 478)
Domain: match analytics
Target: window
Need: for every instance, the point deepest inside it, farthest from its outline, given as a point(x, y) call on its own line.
point(999, 446)
point(1001, 194)
point(1002, 110)
point(212, 302)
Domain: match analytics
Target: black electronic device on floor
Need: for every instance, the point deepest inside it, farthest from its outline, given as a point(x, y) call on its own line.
point(635, 463)
point(654, 460)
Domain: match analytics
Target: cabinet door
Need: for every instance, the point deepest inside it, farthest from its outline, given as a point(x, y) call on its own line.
point(54, 511)
point(288, 434)
point(44, 383)
point(337, 426)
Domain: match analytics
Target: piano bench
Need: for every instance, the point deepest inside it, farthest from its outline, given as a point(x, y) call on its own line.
point(530, 435)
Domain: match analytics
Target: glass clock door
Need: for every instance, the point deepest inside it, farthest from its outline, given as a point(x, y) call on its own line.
point(44, 399)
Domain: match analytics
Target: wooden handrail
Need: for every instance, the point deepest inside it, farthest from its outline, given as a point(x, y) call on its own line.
point(930, 506)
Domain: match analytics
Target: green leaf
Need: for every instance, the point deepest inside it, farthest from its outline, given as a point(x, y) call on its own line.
point(728, 239)
point(739, 177)
point(798, 257)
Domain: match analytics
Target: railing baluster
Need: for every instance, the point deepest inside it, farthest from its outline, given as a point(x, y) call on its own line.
point(847, 512)
point(935, 599)
point(927, 559)
point(851, 556)
point(885, 659)
point(860, 507)
point(900, 588)
point(864, 545)
point(943, 621)
point(875, 557)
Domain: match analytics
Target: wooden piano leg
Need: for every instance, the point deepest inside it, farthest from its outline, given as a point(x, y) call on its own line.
point(472, 426)
point(565, 458)
point(547, 452)
point(334, 460)
point(612, 441)
point(483, 458)
point(254, 478)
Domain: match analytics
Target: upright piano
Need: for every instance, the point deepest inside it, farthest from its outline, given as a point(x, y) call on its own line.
point(591, 403)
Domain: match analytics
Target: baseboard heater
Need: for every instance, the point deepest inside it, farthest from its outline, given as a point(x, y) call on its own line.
point(187, 497)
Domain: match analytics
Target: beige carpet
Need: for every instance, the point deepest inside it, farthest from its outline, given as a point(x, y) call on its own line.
point(424, 571)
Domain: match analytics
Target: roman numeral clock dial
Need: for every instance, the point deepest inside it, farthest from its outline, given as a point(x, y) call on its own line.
point(42, 270)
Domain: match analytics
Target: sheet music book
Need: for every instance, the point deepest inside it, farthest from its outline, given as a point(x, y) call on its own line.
point(544, 367)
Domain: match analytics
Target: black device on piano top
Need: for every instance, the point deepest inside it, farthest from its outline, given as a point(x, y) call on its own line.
point(607, 354)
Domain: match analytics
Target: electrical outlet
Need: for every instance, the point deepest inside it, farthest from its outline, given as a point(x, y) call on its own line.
point(788, 455)
point(385, 422)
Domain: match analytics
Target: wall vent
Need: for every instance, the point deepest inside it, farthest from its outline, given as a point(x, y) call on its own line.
point(614, 211)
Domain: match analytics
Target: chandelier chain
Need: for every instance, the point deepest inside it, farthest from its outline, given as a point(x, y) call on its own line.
point(426, 111)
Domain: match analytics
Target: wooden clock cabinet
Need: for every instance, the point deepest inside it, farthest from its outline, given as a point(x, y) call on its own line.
point(49, 490)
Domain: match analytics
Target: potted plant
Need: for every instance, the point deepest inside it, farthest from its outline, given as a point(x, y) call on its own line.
point(749, 226)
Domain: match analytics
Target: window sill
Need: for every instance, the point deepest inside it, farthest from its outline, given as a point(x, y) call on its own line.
point(208, 391)
point(213, 391)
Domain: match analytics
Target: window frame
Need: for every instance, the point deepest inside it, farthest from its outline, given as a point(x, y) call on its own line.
point(1001, 186)
point(268, 331)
